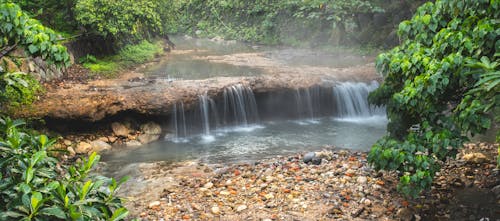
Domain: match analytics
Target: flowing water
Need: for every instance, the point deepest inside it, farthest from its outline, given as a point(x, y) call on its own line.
point(230, 129)
point(240, 125)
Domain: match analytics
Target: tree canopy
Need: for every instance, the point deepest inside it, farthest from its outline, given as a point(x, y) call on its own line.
point(441, 84)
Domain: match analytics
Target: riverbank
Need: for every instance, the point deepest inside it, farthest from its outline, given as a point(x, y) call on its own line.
point(341, 185)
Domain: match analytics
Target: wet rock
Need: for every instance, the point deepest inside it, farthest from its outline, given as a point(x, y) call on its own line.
point(496, 191)
point(147, 138)
point(308, 157)
point(133, 143)
point(324, 155)
point(98, 146)
point(316, 161)
point(120, 129)
point(83, 148)
point(151, 128)
point(475, 158)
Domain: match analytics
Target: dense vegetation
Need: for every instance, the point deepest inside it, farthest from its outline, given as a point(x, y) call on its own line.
point(19, 30)
point(441, 85)
point(34, 184)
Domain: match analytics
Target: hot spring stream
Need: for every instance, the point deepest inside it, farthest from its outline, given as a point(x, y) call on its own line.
point(241, 125)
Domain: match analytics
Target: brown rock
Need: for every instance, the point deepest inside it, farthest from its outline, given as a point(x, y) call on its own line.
point(475, 158)
point(83, 147)
point(120, 129)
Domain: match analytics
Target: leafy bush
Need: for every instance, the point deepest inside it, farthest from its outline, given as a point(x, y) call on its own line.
point(140, 53)
point(122, 21)
point(18, 29)
point(441, 85)
point(24, 91)
point(34, 185)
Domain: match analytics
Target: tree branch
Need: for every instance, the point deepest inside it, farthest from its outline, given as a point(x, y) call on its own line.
point(7, 50)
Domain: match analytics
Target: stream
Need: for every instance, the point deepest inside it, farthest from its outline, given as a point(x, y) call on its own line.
point(241, 125)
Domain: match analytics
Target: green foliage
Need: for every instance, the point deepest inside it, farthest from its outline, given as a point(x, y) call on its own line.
point(34, 185)
point(54, 13)
point(123, 21)
point(268, 21)
point(441, 84)
point(127, 57)
point(23, 91)
point(18, 29)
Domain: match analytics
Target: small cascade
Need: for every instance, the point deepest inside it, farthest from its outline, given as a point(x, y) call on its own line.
point(208, 113)
point(307, 100)
point(179, 121)
point(351, 100)
point(240, 106)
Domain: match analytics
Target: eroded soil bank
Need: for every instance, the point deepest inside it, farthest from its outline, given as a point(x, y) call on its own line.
point(342, 186)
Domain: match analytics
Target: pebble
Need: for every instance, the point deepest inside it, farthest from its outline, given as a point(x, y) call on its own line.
point(208, 185)
point(154, 204)
point(215, 210)
point(362, 180)
point(241, 208)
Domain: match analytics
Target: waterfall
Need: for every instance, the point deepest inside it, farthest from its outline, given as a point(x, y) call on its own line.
point(207, 106)
point(240, 106)
point(236, 108)
point(179, 121)
point(351, 100)
point(308, 102)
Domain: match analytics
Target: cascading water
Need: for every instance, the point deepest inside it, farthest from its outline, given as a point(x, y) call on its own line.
point(240, 106)
point(179, 121)
point(351, 99)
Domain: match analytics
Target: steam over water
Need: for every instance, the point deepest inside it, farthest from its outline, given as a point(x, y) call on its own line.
point(241, 125)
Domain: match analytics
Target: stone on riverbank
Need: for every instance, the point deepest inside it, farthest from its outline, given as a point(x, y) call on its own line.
point(120, 129)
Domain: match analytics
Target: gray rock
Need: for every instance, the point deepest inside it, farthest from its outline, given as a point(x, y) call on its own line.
point(362, 180)
point(120, 129)
point(316, 161)
point(308, 157)
point(148, 138)
point(496, 191)
point(151, 128)
point(99, 145)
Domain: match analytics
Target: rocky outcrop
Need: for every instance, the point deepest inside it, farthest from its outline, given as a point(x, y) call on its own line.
point(95, 100)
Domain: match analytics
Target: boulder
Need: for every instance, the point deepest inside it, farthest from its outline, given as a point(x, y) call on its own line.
point(120, 129)
point(99, 145)
point(151, 128)
point(148, 138)
point(308, 157)
point(83, 148)
point(150, 132)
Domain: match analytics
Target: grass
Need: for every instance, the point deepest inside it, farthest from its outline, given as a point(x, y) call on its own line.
point(127, 57)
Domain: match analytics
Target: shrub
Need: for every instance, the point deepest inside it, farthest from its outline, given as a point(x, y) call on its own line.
point(34, 185)
point(441, 85)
